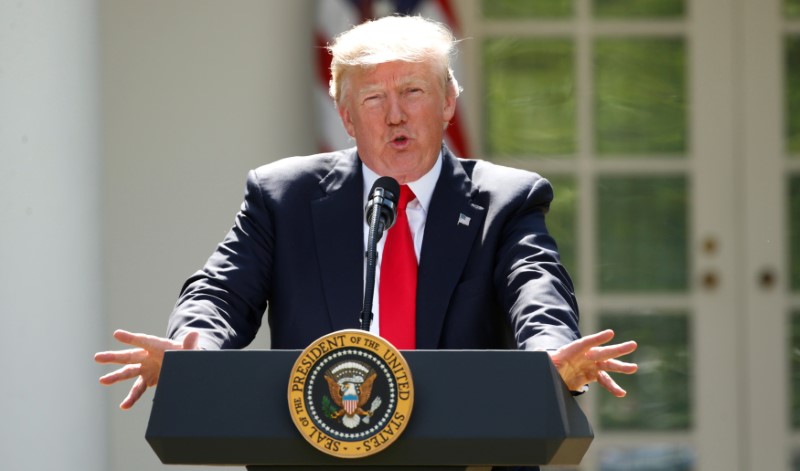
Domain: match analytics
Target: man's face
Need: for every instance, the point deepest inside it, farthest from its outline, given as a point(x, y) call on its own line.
point(397, 112)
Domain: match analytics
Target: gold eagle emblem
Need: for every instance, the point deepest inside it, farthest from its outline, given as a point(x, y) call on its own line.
point(350, 386)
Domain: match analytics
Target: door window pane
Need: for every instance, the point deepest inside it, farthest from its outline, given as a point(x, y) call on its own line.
point(794, 362)
point(659, 393)
point(638, 8)
point(648, 458)
point(792, 8)
point(562, 220)
point(530, 96)
point(514, 9)
point(793, 94)
point(794, 232)
point(640, 96)
point(642, 230)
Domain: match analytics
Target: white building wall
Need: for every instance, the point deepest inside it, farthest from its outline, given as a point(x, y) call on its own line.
point(195, 93)
point(126, 132)
point(51, 408)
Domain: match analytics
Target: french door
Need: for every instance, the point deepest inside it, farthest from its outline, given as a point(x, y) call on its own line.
point(671, 132)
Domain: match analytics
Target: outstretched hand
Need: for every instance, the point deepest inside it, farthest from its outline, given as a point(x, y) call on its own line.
point(142, 362)
point(585, 360)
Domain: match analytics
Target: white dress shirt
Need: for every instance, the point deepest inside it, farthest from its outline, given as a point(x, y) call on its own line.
point(416, 211)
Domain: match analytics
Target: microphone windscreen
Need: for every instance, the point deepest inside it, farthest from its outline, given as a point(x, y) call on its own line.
point(386, 200)
point(389, 185)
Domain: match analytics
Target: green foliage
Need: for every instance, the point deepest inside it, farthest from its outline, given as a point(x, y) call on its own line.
point(328, 409)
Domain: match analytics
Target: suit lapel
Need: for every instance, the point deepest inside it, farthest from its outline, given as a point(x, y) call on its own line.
point(451, 226)
point(338, 231)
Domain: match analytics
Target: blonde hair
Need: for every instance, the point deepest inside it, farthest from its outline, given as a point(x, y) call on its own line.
point(390, 39)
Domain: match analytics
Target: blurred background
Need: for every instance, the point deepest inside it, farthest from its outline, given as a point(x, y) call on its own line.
point(670, 128)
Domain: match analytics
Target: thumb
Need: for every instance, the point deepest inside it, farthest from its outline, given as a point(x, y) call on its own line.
point(191, 340)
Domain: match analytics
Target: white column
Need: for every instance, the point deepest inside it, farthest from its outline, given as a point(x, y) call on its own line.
point(51, 407)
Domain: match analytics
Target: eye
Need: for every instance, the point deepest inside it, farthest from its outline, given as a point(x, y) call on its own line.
point(371, 99)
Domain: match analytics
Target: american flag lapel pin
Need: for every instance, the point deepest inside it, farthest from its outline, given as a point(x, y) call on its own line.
point(463, 220)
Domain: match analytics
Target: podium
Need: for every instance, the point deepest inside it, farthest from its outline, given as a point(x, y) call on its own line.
point(471, 408)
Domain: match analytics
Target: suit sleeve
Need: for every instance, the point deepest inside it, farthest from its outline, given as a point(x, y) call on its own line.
point(535, 289)
point(226, 300)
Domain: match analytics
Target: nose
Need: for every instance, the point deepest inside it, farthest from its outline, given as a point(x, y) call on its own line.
point(394, 114)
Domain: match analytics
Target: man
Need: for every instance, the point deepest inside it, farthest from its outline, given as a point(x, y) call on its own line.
point(488, 271)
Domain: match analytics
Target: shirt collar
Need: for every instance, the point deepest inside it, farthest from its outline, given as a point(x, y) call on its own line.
point(422, 188)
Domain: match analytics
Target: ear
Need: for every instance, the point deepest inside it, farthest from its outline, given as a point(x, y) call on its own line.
point(347, 121)
point(449, 107)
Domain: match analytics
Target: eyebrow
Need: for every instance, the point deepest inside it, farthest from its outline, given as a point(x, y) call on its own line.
point(369, 89)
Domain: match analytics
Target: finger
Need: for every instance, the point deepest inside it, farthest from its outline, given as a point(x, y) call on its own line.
point(594, 340)
point(611, 351)
point(133, 355)
point(616, 366)
point(148, 342)
point(122, 374)
point(138, 388)
point(608, 383)
point(578, 348)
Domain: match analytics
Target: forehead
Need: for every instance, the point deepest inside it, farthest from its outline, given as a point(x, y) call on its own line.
point(392, 74)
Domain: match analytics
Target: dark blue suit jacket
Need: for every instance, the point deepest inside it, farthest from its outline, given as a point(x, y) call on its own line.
point(296, 248)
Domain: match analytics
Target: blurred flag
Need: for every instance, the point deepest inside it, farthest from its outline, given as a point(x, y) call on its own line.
point(336, 16)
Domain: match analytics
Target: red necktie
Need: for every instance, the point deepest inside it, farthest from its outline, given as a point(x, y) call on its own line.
point(398, 283)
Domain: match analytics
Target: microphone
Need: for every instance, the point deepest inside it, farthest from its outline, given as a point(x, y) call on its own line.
point(381, 212)
point(384, 195)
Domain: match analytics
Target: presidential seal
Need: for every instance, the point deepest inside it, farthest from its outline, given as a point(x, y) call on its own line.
point(350, 394)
